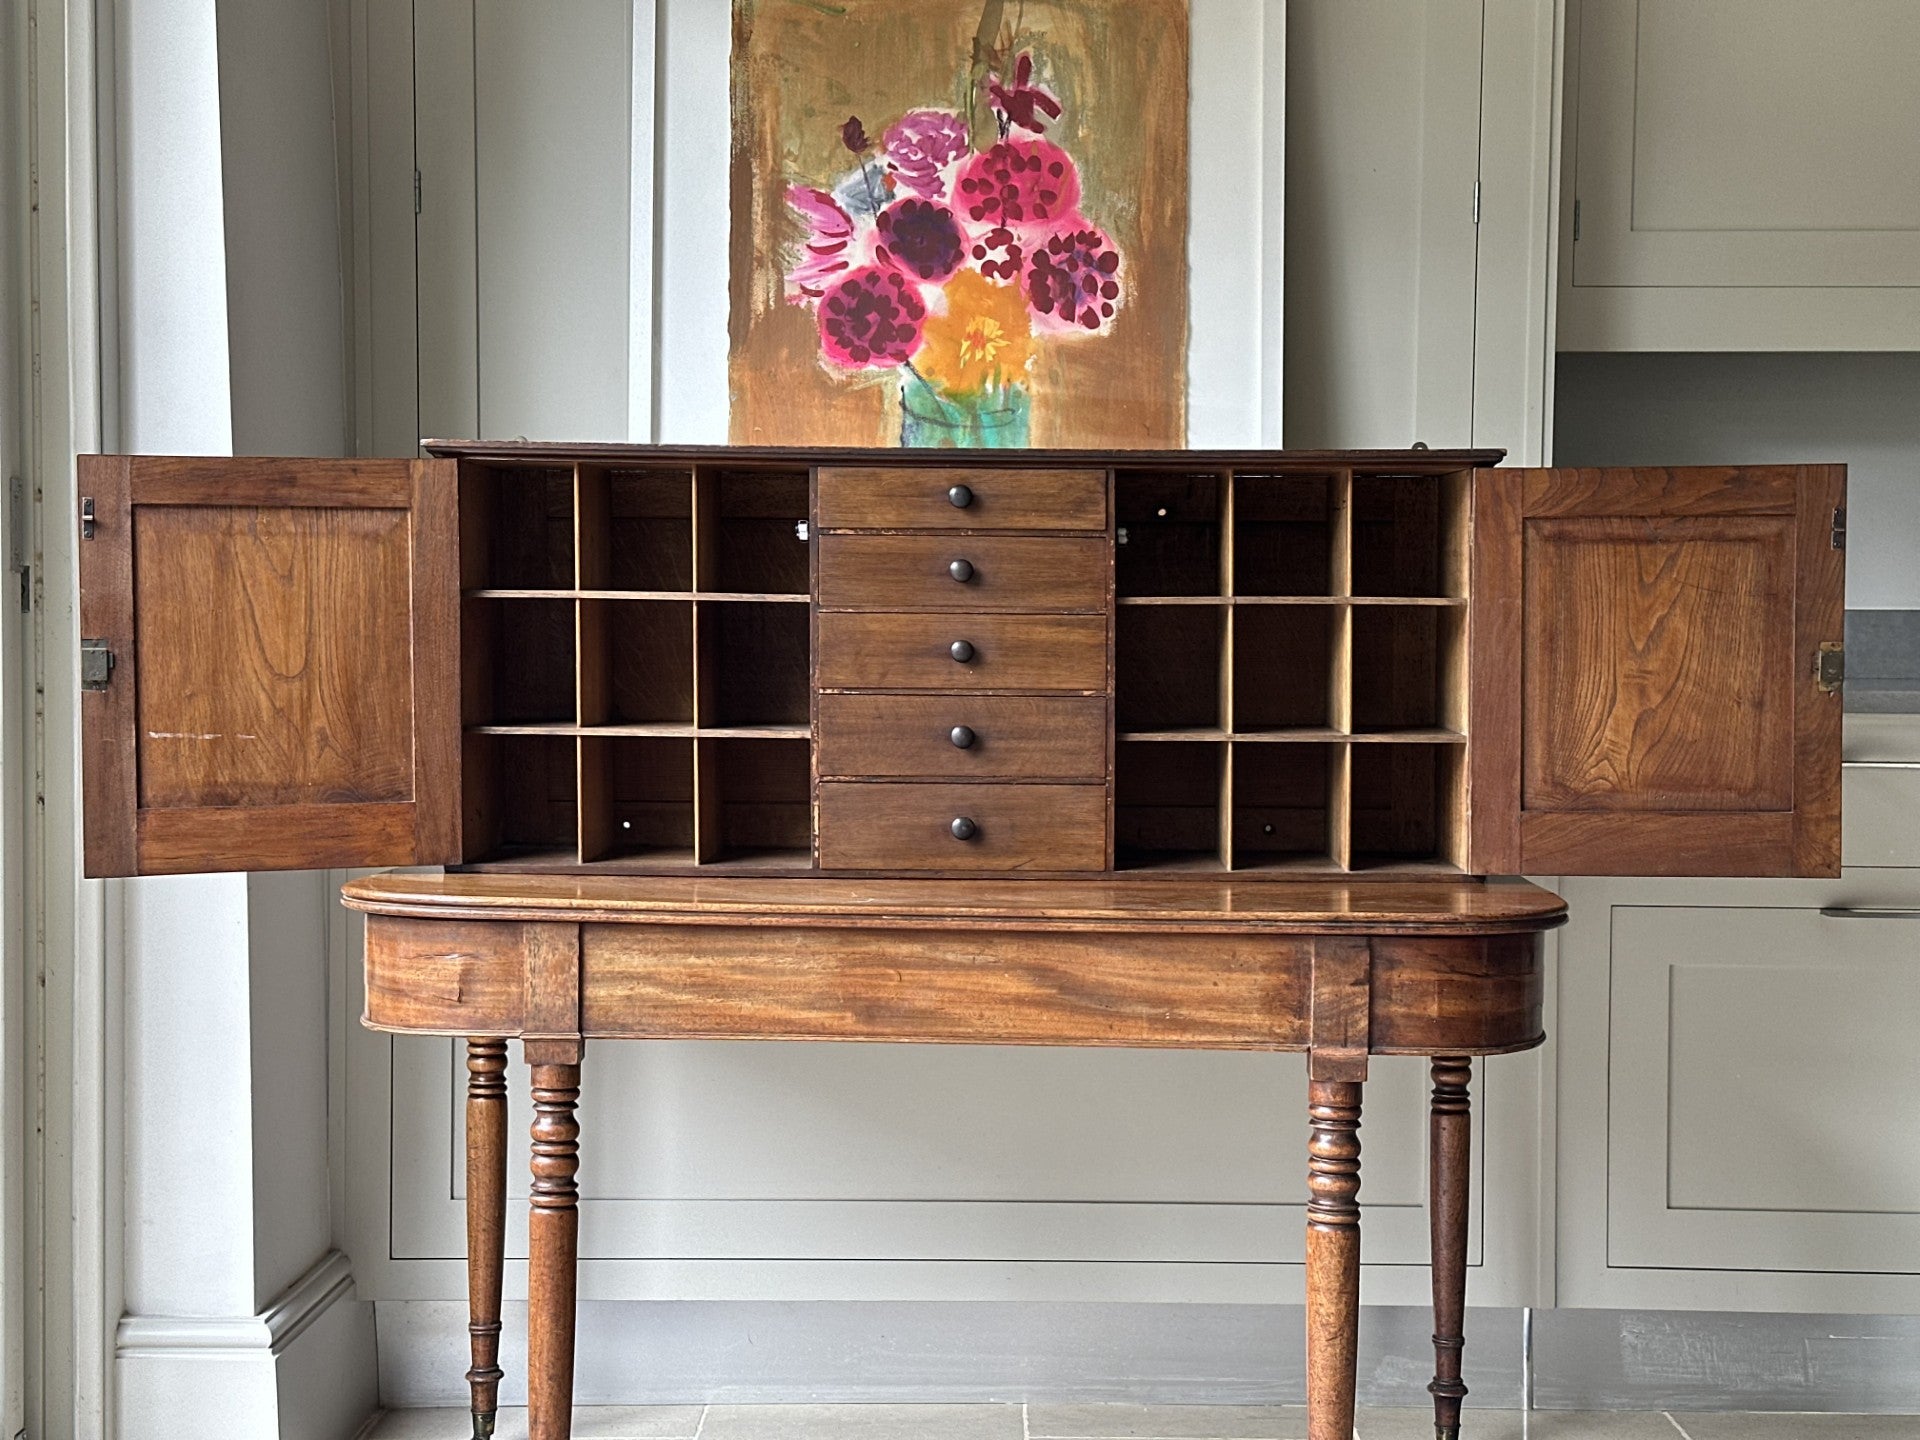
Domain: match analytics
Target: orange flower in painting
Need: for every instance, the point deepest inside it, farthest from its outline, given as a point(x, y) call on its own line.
point(985, 338)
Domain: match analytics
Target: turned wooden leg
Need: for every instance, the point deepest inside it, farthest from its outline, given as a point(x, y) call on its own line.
point(553, 1236)
point(486, 1221)
point(1451, 1130)
point(1333, 1256)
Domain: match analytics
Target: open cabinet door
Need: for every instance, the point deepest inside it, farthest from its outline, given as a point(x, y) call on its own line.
point(269, 663)
point(1649, 695)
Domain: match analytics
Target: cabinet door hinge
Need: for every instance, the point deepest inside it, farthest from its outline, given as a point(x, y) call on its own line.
point(1576, 222)
point(1839, 527)
point(96, 663)
point(416, 192)
point(1476, 202)
point(1830, 665)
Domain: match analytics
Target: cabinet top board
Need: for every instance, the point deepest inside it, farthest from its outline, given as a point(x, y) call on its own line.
point(554, 453)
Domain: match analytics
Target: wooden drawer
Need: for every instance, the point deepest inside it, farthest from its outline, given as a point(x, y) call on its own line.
point(872, 498)
point(1009, 736)
point(909, 827)
point(1008, 572)
point(1009, 652)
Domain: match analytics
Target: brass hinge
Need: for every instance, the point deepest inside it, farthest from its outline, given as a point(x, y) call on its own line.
point(96, 664)
point(1830, 665)
point(1839, 527)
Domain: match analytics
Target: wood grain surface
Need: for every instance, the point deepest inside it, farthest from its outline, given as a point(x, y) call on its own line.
point(1659, 657)
point(1303, 907)
point(1010, 572)
point(274, 655)
point(1010, 652)
point(1003, 498)
point(886, 825)
point(1052, 737)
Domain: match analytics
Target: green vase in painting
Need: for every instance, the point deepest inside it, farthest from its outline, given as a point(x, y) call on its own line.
point(992, 418)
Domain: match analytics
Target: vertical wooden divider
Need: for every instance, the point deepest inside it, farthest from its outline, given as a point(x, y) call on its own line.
point(1456, 565)
point(1340, 670)
point(707, 838)
point(593, 657)
point(1227, 547)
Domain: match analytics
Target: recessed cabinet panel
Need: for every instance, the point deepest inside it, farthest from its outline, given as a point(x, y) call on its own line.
point(1747, 143)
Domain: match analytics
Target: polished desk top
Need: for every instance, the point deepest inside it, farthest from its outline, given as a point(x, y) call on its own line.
point(1380, 907)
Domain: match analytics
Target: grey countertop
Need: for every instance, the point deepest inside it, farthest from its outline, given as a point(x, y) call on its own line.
point(1883, 662)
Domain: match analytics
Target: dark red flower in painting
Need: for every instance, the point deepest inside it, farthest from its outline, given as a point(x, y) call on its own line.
point(998, 254)
point(853, 135)
point(1073, 281)
point(919, 237)
point(1021, 184)
point(871, 317)
point(1023, 103)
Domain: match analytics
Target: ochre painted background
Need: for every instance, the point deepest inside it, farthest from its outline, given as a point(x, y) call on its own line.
point(1119, 67)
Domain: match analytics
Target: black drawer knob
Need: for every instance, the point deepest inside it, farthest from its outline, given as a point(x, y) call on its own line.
point(960, 497)
point(961, 570)
point(962, 737)
point(961, 651)
point(963, 828)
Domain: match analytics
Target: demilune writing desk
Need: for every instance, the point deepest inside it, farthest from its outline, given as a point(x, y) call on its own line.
point(1194, 749)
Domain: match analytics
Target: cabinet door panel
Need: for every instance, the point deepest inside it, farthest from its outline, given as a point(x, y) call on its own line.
point(284, 685)
point(1645, 693)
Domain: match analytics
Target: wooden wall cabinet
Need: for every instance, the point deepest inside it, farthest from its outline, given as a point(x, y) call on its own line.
point(646, 660)
point(1743, 172)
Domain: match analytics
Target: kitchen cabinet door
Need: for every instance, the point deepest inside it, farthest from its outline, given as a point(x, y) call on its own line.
point(1747, 175)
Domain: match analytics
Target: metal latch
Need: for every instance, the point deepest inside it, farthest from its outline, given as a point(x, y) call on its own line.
point(1830, 666)
point(96, 664)
point(88, 519)
point(1839, 536)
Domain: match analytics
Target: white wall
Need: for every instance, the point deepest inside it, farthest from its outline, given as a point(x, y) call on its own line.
point(230, 329)
point(1862, 410)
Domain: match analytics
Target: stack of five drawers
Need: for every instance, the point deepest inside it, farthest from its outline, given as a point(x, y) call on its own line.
point(962, 669)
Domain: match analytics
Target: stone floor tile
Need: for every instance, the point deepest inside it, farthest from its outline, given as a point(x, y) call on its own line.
point(1778, 1426)
point(1512, 1425)
point(422, 1425)
point(862, 1422)
point(1167, 1422)
point(590, 1422)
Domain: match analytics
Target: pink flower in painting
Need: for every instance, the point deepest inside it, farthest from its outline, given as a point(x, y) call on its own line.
point(919, 237)
point(1022, 184)
point(829, 244)
point(920, 145)
point(1073, 281)
point(1023, 103)
point(998, 254)
point(872, 317)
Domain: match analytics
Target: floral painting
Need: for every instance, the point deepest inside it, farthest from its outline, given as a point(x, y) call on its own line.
point(959, 222)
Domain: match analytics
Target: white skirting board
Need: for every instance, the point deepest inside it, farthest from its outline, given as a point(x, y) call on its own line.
point(303, 1369)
